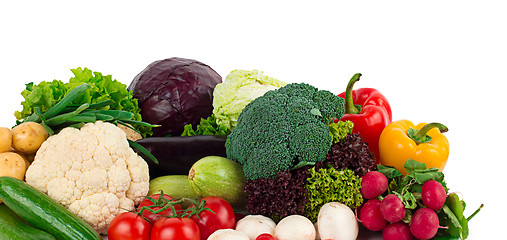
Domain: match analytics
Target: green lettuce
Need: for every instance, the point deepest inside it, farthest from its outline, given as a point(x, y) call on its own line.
point(239, 88)
point(47, 93)
point(331, 185)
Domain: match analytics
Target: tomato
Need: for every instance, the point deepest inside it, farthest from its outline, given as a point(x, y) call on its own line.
point(222, 216)
point(175, 229)
point(128, 226)
point(265, 236)
point(151, 216)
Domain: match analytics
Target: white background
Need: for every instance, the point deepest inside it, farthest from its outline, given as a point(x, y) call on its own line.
point(441, 61)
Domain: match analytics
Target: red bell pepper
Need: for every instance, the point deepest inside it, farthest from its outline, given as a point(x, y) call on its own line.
point(370, 112)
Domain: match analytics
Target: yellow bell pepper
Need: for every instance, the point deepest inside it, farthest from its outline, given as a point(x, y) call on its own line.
point(402, 140)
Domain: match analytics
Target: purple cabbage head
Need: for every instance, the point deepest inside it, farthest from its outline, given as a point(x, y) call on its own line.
point(175, 92)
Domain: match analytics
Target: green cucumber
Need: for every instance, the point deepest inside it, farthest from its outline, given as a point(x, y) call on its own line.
point(40, 210)
point(219, 176)
point(12, 227)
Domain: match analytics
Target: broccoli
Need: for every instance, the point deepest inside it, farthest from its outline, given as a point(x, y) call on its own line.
point(283, 129)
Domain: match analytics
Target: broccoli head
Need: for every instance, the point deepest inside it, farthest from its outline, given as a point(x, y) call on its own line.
point(283, 129)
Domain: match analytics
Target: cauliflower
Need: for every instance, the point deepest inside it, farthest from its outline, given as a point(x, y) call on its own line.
point(92, 171)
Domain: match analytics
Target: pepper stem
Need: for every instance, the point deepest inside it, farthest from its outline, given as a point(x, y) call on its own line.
point(420, 136)
point(349, 103)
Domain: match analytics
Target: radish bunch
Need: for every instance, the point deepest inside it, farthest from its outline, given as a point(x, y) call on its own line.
point(407, 214)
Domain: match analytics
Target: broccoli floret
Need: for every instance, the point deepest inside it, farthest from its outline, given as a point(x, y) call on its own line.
point(284, 128)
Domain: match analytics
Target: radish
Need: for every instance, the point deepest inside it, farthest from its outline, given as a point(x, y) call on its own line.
point(373, 184)
point(265, 236)
point(424, 224)
point(370, 215)
point(392, 208)
point(433, 195)
point(295, 227)
point(397, 231)
point(337, 221)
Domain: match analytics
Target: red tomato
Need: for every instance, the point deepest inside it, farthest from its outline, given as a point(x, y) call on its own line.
point(128, 226)
point(222, 216)
point(175, 229)
point(265, 236)
point(151, 216)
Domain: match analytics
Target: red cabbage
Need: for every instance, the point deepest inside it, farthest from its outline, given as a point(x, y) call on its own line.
point(175, 92)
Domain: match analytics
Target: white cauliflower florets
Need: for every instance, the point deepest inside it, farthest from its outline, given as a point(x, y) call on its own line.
point(92, 171)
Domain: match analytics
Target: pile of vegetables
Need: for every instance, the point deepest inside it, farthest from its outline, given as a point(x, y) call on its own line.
point(181, 154)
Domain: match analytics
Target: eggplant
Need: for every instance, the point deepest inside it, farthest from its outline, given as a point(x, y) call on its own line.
point(176, 155)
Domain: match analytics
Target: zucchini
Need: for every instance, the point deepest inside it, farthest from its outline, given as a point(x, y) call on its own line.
point(40, 210)
point(12, 227)
point(219, 176)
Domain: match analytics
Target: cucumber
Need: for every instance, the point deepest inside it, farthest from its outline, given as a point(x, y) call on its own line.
point(12, 227)
point(219, 176)
point(40, 210)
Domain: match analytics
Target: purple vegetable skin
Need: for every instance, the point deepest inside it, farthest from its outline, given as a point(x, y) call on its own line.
point(175, 92)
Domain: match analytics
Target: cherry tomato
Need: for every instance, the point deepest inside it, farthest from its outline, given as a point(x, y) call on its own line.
point(129, 226)
point(222, 216)
point(265, 236)
point(151, 216)
point(175, 229)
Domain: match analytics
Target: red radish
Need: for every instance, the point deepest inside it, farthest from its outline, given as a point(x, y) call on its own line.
point(373, 184)
point(424, 224)
point(397, 231)
point(392, 208)
point(433, 195)
point(370, 216)
point(265, 236)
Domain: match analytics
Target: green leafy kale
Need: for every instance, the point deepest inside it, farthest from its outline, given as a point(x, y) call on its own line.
point(284, 128)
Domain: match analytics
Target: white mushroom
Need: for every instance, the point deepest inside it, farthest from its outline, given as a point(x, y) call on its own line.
point(228, 234)
point(295, 227)
point(255, 225)
point(337, 221)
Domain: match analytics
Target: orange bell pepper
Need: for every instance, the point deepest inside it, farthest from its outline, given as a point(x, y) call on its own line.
point(402, 140)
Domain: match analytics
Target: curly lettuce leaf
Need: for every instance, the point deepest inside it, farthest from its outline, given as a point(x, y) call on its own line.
point(339, 130)
point(331, 185)
point(46, 94)
point(207, 126)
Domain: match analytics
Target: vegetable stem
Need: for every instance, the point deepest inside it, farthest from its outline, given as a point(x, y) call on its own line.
point(420, 136)
point(350, 108)
point(475, 213)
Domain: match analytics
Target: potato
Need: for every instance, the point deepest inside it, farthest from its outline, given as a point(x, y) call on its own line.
point(5, 139)
point(28, 137)
point(12, 165)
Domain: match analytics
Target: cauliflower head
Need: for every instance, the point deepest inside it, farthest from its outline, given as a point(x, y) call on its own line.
point(92, 171)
